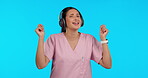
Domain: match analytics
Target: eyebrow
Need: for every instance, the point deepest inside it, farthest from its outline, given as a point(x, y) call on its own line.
point(76, 14)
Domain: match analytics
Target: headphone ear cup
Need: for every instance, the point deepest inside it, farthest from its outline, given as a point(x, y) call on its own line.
point(62, 22)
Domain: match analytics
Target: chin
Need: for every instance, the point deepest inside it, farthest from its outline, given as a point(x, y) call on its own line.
point(76, 27)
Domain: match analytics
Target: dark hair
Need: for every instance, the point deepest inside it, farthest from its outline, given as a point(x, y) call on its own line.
point(62, 18)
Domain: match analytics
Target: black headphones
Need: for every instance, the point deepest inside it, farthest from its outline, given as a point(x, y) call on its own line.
point(62, 21)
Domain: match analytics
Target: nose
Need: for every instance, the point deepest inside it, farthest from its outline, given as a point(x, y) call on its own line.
point(76, 18)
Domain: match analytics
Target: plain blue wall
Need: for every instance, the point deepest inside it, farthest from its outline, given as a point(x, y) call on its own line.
point(127, 21)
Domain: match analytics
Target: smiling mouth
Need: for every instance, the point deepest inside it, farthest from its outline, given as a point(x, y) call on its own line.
point(75, 23)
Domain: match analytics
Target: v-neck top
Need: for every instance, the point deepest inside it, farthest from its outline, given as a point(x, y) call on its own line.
point(69, 63)
point(69, 44)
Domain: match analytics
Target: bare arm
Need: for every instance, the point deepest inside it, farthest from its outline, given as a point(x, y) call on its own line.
point(106, 60)
point(41, 59)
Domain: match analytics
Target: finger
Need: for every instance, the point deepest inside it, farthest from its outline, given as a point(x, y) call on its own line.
point(103, 29)
point(40, 25)
point(107, 30)
point(101, 32)
point(106, 33)
point(35, 29)
point(39, 29)
point(102, 26)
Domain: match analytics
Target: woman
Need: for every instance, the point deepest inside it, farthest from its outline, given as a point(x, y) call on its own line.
point(70, 50)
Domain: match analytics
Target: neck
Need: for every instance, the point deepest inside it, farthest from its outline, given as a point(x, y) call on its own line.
point(72, 33)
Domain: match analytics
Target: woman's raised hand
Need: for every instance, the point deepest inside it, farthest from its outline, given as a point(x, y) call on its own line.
point(103, 32)
point(40, 30)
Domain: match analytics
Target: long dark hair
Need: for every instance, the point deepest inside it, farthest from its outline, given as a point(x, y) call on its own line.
point(62, 19)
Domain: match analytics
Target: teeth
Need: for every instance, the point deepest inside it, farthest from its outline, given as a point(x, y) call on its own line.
point(75, 23)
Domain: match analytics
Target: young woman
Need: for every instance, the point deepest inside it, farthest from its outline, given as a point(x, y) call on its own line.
point(70, 50)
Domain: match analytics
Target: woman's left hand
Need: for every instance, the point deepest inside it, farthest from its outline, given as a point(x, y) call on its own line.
point(103, 32)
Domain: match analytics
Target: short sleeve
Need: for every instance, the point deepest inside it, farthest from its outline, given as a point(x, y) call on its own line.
point(96, 54)
point(49, 48)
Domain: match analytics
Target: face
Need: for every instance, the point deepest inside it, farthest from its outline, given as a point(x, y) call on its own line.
point(73, 19)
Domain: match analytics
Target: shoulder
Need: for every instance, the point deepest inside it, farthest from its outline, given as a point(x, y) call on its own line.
point(87, 35)
point(55, 36)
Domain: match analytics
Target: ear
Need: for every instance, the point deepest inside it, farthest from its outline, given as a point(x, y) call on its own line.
point(82, 22)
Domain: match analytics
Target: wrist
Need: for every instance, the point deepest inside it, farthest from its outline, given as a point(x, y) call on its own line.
point(104, 41)
point(41, 37)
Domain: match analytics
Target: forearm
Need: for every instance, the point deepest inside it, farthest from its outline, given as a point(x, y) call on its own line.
point(40, 58)
point(107, 62)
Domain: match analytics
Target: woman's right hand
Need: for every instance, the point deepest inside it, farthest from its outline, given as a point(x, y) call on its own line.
point(40, 30)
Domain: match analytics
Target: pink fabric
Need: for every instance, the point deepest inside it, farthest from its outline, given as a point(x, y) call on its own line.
point(68, 63)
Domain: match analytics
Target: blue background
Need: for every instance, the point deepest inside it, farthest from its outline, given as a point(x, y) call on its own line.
point(127, 21)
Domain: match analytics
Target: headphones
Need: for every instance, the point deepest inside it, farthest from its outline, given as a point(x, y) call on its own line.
point(62, 21)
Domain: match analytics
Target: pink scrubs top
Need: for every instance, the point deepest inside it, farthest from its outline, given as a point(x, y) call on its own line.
point(69, 63)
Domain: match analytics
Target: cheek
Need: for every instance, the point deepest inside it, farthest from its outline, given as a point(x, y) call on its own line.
point(68, 21)
point(81, 21)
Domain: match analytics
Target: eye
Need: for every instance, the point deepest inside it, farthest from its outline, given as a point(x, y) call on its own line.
point(70, 16)
point(78, 16)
